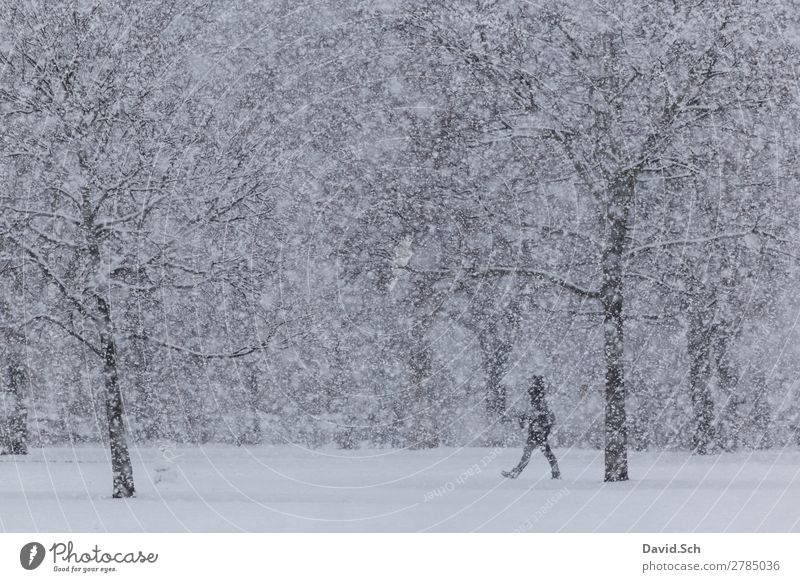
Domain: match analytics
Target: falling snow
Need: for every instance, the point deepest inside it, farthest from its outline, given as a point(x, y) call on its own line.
point(320, 250)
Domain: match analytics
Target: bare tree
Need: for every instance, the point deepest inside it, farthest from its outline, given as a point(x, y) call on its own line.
point(91, 94)
point(613, 100)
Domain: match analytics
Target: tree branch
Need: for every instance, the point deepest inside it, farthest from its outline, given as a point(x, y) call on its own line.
point(686, 241)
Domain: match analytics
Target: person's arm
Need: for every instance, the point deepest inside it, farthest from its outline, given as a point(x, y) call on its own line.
point(516, 416)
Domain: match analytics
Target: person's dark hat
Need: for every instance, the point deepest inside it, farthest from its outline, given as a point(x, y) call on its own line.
point(536, 386)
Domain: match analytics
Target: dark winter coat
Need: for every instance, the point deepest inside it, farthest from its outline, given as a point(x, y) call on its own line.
point(540, 423)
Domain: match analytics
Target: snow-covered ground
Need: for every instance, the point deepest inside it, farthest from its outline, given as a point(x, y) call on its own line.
point(219, 488)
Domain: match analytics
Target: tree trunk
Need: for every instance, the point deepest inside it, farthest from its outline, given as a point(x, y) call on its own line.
point(424, 431)
point(698, 346)
point(762, 412)
point(17, 441)
point(14, 436)
point(495, 352)
point(611, 297)
point(732, 419)
point(121, 468)
point(495, 362)
point(425, 403)
point(256, 435)
point(616, 452)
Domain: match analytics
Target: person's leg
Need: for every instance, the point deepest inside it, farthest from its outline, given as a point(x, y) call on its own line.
point(551, 458)
point(526, 456)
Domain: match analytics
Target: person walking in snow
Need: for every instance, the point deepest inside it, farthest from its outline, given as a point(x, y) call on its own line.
point(540, 420)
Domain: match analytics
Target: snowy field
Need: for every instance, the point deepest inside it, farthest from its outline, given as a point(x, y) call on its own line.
point(219, 488)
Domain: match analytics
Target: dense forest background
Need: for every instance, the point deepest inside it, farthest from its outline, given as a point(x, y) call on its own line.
point(361, 224)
